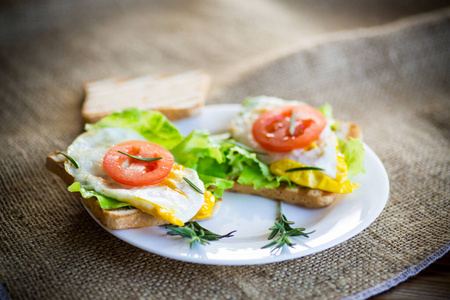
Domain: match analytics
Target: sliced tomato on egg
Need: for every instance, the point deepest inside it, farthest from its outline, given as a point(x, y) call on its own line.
point(272, 129)
point(131, 171)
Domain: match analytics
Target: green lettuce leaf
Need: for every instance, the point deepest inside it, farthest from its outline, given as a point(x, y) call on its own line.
point(216, 185)
point(354, 154)
point(353, 149)
point(105, 202)
point(250, 102)
point(246, 168)
point(209, 166)
point(153, 125)
point(195, 146)
point(327, 111)
point(201, 153)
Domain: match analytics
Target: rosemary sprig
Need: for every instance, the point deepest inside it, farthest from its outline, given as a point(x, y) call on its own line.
point(282, 231)
point(140, 158)
point(292, 123)
point(196, 233)
point(304, 169)
point(244, 147)
point(196, 188)
point(70, 159)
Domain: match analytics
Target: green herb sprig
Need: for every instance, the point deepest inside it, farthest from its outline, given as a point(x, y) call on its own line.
point(282, 231)
point(196, 188)
point(304, 169)
point(73, 161)
point(196, 233)
point(292, 123)
point(244, 147)
point(140, 158)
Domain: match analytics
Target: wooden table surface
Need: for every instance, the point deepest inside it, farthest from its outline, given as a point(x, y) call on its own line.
point(431, 283)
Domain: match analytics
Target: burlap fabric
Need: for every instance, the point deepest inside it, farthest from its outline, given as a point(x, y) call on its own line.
point(393, 80)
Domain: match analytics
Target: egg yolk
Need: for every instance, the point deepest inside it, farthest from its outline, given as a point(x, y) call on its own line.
point(316, 179)
point(311, 146)
point(166, 215)
point(207, 208)
point(176, 174)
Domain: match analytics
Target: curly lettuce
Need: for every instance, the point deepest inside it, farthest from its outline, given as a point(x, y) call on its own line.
point(199, 152)
point(153, 125)
point(105, 202)
point(327, 111)
point(195, 146)
point(241, 165)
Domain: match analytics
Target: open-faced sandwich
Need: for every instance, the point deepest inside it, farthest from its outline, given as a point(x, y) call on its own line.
point(290, 151)
point(129, 169)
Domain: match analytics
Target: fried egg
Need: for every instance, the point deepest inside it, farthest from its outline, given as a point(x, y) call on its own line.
point(321, 153)
point(172, 200)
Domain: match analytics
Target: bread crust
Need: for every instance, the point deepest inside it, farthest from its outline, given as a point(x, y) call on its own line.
point(311, 198)
point(121, 218)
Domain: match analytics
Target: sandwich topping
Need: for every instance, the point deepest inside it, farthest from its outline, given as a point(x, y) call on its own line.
point(286, 128)
point(155, 187)
point(294, 135)
point(138, 163)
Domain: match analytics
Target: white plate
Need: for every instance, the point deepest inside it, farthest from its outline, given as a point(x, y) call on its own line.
point(252, 216)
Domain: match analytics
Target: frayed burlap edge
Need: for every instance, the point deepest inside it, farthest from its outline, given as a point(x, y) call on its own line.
point(401, 277)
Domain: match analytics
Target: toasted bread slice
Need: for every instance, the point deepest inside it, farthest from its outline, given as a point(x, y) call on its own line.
point(302, 196)
point(176, 96)
point(120, 218)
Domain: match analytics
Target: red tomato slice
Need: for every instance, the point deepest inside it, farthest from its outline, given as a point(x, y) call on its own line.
point(134, 172)
point(271, 129)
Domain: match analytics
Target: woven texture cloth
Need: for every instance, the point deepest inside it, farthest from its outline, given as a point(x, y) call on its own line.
point(392, 80)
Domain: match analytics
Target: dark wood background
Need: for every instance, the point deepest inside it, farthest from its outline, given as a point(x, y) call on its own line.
point(432, 283)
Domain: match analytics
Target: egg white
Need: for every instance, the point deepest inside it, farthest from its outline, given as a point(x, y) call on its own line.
point(90, 148)
point(322, 156)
